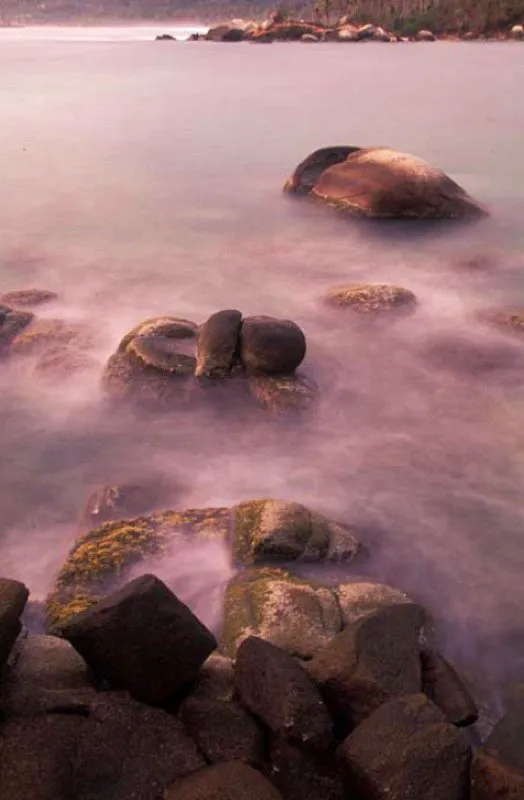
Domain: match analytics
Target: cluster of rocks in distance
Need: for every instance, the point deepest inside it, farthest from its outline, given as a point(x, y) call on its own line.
point(280, 28)
point(134, 699)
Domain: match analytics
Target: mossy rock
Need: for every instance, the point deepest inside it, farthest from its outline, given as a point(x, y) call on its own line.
point(28, 298)
point(366, 298)
point(12, 323)
point(275, 530)
point(297, 615)
point(151, 366)
point(99, 561)
point(283, 394)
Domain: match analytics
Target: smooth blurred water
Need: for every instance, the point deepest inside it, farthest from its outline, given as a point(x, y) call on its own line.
point(143, 178)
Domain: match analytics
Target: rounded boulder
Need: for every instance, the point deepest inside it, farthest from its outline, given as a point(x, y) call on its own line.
point(271, 346)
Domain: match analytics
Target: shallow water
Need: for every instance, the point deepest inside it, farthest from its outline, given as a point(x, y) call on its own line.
point(141, 178)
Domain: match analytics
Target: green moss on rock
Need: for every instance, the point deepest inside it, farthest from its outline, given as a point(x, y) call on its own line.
point(298, 615)
point(100, 559)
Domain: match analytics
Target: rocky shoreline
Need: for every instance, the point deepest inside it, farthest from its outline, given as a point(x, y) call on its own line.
point(135, 699)
point(277, 28)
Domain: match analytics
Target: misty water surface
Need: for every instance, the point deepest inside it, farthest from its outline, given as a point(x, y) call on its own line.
point(143, 178)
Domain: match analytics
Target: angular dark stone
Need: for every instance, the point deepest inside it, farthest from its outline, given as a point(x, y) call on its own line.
point(142, 638)
point(131, 750)
point(305, 776)
point(218, 343)
point(371, 660)
point(271, 346)
point(37, 757)
point(231, 780)
point(215, 679)
point(442, 685)
point(13, 597)
point(224, 731)
point(407, 751)
point(274, 687)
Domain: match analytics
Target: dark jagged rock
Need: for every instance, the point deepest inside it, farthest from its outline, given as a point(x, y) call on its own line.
point(370, 661)
point(165, 37)
point(274, 687)
point(498, 769)
point(143, 639)
point(378, 182)
point(441, 684)
point(223, 731)
point(407, 751)
point(271, 346)
point(131, 750)
point(229, 781)
point(44, 673)
point(299, 775)
point(218, 342)
point(13, 597)
point(37, 757)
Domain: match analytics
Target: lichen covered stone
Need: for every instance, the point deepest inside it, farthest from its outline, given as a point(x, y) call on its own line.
point(297, 615)
point(372, 299)
point(99, 561)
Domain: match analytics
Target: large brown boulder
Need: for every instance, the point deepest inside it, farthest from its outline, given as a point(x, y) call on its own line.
point(229, 781)
point(274, 687)
point(142, 638)
point(279, 530)
point(407, 751)
point(271, 346)
point(372, 660)
point(379, 182)
point(13, 597)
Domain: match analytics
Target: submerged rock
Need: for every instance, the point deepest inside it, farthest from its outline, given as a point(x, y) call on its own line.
point(28, 297)
point(276, 530)
point(142, 638)
point(283, 394)
point(379, 182)
point(12, 322)
point(372, 298)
